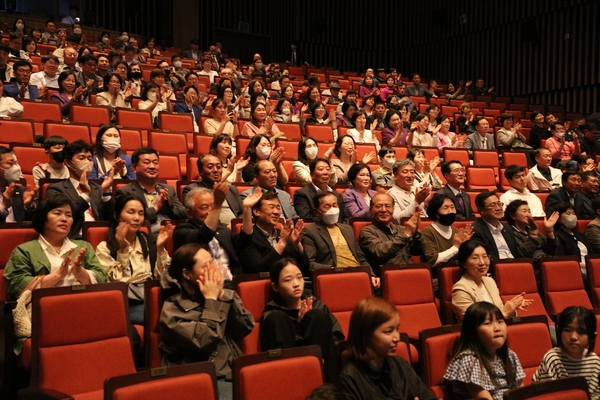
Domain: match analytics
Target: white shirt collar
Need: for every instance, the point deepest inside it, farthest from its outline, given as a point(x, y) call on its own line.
point(66, 245)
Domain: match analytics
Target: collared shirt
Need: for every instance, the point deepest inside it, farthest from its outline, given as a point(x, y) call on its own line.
point(40, 79)
point(503, 249)
point(272, 239)
point(329, 189)
point(56, 259)
point(88, 214)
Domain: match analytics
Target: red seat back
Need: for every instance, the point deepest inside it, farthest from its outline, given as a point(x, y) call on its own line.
point(255, 292)
point(563, 285)
point(530, 352)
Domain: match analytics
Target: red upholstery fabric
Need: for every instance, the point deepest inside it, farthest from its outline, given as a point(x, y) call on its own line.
point(11, 238)
point(190, 387)
point(70, 131)
point(292, 378)
point(255, 295)
point(411, 292)
point(154, 305)
point(176, 122)
point(593, 265)
point(530, 352)
point(435, 353)
point(563, 285)
point(514, 279)
point(96, 234)
point(8, 128)
point(448, 277)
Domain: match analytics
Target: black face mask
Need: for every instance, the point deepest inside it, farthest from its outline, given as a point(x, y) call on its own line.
point(167, 72)
point(447, 219)
point(136, 75)
point(58, 156)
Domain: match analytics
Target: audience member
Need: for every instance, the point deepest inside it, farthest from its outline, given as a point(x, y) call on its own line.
point(562, 151)
point(308, 150)
point(17, 202)
point(383, 176)
point(425, 171)
point(517, 179)
point(408, 198)
point(357, 199)
point(588, 192)
point(481, 139)
point(347, 156)
point(330, 244)
point(542, 176)
point(109, 157)
point(385, 242)
point(454, 173)
point(592, 230)
point(320, 176)
point(440, 240)
point(55, 167)
point(260, 148)
point(568, 193)
point(572, 242)
point(161, 200)
point(488, 229)
point(21, 87)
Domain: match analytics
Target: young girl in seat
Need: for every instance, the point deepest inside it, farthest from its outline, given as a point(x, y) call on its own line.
point(483, 366)
point(374, 371)
point(576, 334)
point(294, 319)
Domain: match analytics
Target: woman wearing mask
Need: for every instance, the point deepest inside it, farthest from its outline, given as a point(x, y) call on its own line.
point(440, 239)
point(572, 242)
point(189, 106)
point(308, 150)
point(156, 100)
point(103, 44)
point(258, 149)
point(384, 176)
point(135, 79)
point(285, 112)
point(108, 144)
point(19, 26)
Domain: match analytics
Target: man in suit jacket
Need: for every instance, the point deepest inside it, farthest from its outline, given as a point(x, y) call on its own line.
point(330, 244)
point(160, 199)
point(454, 172)
point(20, 88)
point(265, 175)
point(589, 191)
point(193, 53)
point(211, 173)
point(16, 203)
point(204, 208)
point(416, 89)
point(489, 230)
point(93, 202)
point(568, 193)
point(320, 173)
point(480, 140)
point(267, 243)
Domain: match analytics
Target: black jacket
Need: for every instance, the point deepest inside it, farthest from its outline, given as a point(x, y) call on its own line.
point(483, 234)
point(305, 205)
point(260, 256)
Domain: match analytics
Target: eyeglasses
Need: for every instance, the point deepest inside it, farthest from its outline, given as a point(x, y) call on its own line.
point(459, 171)
point(495, 205)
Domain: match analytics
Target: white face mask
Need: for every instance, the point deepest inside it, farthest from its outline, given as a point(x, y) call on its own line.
point(111, 145)
point(151, 96)
point(258, 65)
point(106, 40)
point(177, 64)
point(560, 134)
point(20, 26)
point(83, 166)
point(263, 152)
point(570, 221)
point(77, 31)
point(389, 163)
point(331, 216)
point(285, 111)
point(311, 153)
point(13, 174)
point(125, 38)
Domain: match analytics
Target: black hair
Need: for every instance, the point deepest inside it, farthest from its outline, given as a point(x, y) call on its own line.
point(338, 144)
point(445, 169)
point(511, 209)
point(218, 138)
point(313, 164)
point(278, 266)
point(534, 114)
point(512, 170)
point(40, 216)
point(251, 149)
point(64, 75)
point(389, 116)
point(87, 57)
point(109, 75)
point(76, 147)
point(54, 141)
point(302, 149)
point(506, 117)
point(596, 205)
point(347, 104)
point(111, 241)
point(553, 125)
point(322, 195)
point(99, 148)
point(135, 157)
point(386, 150)
point(561, 208)
point(22, 63)
point(355, 169)
point(434, 205)
point(586, 321)
point(567, 174)
point(265, 197)
point(481, 198)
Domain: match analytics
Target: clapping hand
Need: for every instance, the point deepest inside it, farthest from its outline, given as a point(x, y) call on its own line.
point(166, 231)
point(305, 306)
point(412, 224)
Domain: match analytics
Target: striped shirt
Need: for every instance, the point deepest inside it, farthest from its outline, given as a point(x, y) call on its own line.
point(556, 365)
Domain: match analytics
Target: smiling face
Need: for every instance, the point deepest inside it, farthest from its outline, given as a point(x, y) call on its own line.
point(133, 215)
point(544, 159)
point(314, 94)
point(363, 179)
point(203, 204)
point(523, 214)
point(405, 176)
point(147, 167)
point(361, 121)
point(260, 113)
point(59, 221)
point(212, 169)
point(424, 123)
point(477, 264)
point(224, 148)
point(68, 84)
point(492, 333)
point(382, 208)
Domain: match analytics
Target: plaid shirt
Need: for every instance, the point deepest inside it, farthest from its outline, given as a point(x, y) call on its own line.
point(466, 368)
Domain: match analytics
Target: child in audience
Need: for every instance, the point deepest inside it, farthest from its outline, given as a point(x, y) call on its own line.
point(294, 319)
point(574, 355)
point(483, 366)
point(374, 371)
point(54, 168)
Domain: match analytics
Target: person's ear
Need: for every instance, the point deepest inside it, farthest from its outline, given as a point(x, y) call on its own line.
point(187, 275)
point(275, 287)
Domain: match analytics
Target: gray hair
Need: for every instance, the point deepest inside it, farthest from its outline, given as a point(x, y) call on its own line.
point(401, 163)
point(189, 202)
